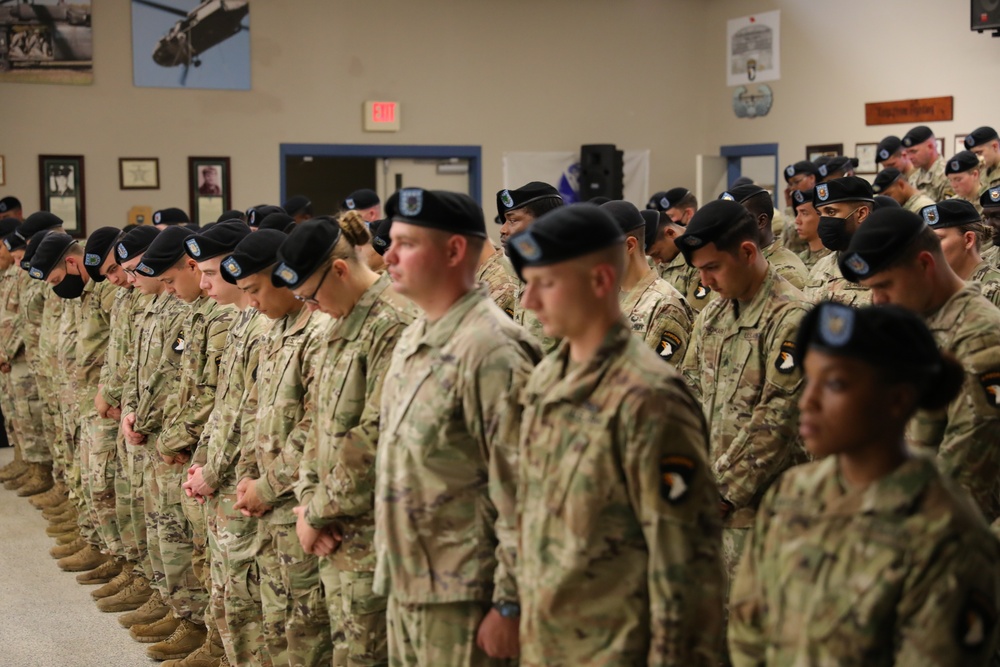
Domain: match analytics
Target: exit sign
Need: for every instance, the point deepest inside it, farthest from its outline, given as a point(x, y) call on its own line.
point(381, 117)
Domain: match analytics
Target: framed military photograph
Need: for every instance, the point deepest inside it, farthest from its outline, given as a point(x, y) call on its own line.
point(940, 145)
point(61, 182)
point(959, 143)
point(830, 150)
point(3, 171)
point(866, 158)
point(139, 173)
point(209, 188)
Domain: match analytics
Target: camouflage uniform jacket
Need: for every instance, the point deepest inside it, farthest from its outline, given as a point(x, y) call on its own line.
point(966, 434)
point(933, 181)
point(619, 560)
point(990, 253)
point(219, 447)
point(687, 280)
point(447, 457)
point(741, 365)
point(917, 202)
point(67, 370)
point(787, 264)
point(827, 283)
point(989, 176)
point(337, 471)
point(527, 319)
point(901, 573)
point(500, 279)
point(126, 314)
point(97, 302)
point(811, 257)
point(290, 360)
point(659, 315)
point(11, 338)
point(187, 410)
point(32, 298)
point(48, 334)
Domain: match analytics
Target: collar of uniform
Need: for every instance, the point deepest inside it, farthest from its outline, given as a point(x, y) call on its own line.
point(292, 325)
point(437, 334)
point(349, 328)
point(895, 493)
point(749, 316)
point(90, 286)
point(554, 385)
point(946, 317)
point(631, 298)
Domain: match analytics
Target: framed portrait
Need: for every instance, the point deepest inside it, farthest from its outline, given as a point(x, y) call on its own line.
point(960, 143)
point(830, 150)
point(62, 191)
point(866, 158)
point(940, 145)
point(139, 173)
point(3, 171)
point(209, 187)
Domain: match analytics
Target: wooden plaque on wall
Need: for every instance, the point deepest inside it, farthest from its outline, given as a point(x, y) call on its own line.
point(926, 110)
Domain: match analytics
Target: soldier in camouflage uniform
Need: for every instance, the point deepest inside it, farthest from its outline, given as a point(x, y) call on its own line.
point(518, 209)
point(843, 205)
point(807, 228)
point(741, 364)
point(335, 517)
point(617, 509)
point(800, 177)
point(928, 176)
point(678, 206)
point(445, 531)
point(984, 142)
point(990, 203)
point(900, 258)
point(892, 183)
point(963, 171)
point(8, 292)
point(960, 229)
point(235, 592)
point(869, 556)
point(296, 623)
point(494, 270)
point(656, 312)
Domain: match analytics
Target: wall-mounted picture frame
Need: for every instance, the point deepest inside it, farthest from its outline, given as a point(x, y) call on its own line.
point(960, 143)
point(139, 173)
point(208, 184)
point(61, 186)
point(866, 153)
point(3, 171)
point(940, 145)
point(830, 150)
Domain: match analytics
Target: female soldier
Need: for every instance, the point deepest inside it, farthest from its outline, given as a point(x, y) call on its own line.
point(867, 556)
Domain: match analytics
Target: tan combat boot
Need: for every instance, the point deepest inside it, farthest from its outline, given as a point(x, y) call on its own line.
point(209, 654)
point(186, 639)
point(63, 550)
point(42, 501)
point(20, 480)
point(101, 574)
point(156, 631)
point(129, 598)
point(151, 611)
point(68, 538)
point(124, 578)
point(83, 560)
point(57, 529)
point(40, 481)
point(59, 510)
point(13, 469)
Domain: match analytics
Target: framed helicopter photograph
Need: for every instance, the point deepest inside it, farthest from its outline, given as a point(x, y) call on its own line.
point(208, 185)
point(191, 44)
point(61, 182)
point(46, 41)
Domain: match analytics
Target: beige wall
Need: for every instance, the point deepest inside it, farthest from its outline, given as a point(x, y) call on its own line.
point(509, 76)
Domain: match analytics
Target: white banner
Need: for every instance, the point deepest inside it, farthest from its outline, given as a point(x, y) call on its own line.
point(562, 169)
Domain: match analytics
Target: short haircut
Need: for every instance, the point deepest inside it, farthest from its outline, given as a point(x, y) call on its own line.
point(760, 204)
point(539, 208)
point(925, 241)
point(639, 234)
point(744, 229)
point(687, 201)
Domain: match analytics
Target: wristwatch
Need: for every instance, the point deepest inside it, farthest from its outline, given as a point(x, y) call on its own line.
point(508, 609)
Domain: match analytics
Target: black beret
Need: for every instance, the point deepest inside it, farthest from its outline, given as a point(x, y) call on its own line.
point(801, 167)
point(877, 243)
point(359, 200)
point(257, 214)
point(652, 220)
point(170, 216)
point(625, 214)
point(304, 251)
point(741, 193)
point(742, 180)
point(887, 148)
point(990, 197)
point(961, 162)
point(950, 213)
point(164, 251)
point(820, 161)
point(672, 198)
point(887, 336)
point(654, 202)
point(981, 135)
point(221, 239)
point(37, 222)
point(800, 197)
point(13, 242)
point(8, 226)
point(563, 234)
point(380, 235)
point(599, 200)
point(135, 242)
point(256, 252)
point(280, 221)
point(448, 211)
point(9, 204)
point(835, 164)
point(96, 251)
point(232, 214)
point(848, 188)
point(31, 247)
point(881, 201)
point(51, 249)
point(885, 178)
point(917, 135)
point(296, 203)
point(60, 170)
point(709, 224)
point(511, 200)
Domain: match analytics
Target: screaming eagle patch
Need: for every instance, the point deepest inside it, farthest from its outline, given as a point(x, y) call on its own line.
point(785, 363)
point(990, 383)
point(668, 346)
point(676, 473)
point(178, 345)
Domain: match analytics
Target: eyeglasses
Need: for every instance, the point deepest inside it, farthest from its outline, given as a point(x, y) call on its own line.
point(311, 299)
point(129, 272)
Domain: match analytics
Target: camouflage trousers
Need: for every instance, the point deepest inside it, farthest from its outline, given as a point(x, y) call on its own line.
point(296, 624)
point(235, 603)
point(49, 404)
point(78, 480)
point(429, 635)
point(170, 536)
point(9, 413)
point(28, 411)
point(130, 505)
point(357, 617)
point(733, 542)
point(100, 436)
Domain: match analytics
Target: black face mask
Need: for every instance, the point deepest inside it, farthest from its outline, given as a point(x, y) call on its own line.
point(833, 232)
point(71, 287)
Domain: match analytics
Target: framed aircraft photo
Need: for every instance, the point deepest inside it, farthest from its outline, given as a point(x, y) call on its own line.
point(62, 191)
point(139, 173)
point(191, 44)
point(830, 150)
point(208, 179)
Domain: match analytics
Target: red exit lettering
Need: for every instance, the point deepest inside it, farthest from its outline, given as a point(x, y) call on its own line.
point(384, 112)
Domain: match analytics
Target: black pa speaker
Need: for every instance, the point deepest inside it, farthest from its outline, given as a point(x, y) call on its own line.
point(602, 171)
point(985, 15)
